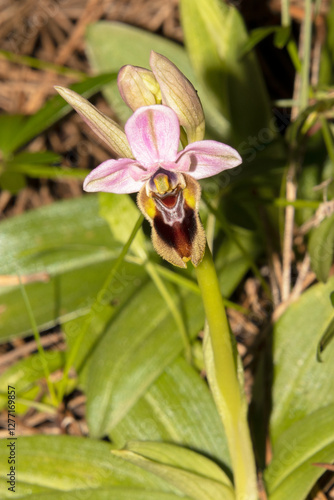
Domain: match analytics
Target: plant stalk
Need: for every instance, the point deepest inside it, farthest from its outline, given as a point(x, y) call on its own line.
point(221, 360)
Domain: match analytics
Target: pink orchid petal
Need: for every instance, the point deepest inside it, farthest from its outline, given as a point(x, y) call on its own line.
point(153, 133)
point(113, 176)
point(206, 158)
point(139, 173)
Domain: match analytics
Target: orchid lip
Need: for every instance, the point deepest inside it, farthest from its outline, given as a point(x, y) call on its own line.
point(174, 214)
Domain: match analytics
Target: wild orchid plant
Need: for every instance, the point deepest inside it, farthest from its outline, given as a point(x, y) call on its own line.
point(167, 111)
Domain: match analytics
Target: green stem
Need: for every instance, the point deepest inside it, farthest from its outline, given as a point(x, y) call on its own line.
point(40, 349)
point(298, 204)
point(151, 269)
point(328, 138)
point(293, 53)
point(306, 62)
point(221, 361)
point(285, 13)
point(75, 349)
point(222, 221)
point(32, 62)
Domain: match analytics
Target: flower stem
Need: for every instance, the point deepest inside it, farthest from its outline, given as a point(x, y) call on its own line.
point(151, 269)
point(72, 355)
point(221, 360)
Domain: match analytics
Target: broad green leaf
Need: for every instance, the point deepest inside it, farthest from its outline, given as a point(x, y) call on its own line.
point(301, 384)
point(47, 464)
point(214, 34)
point(196, 486)
point(177, 408)
point(26, 372)
point(55, 109)
point(73, 247)
point(291, 474)
point(136, 347)
point(232, 263)
point(321, 248)
point(12, 181)
point(112, 45)
point(113, 492)
point(180, 457)
point(121, 213)
point(326, 338)
point(9, 126)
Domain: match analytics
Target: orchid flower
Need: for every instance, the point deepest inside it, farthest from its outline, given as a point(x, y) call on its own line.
point(165, 178)
point(151, 163)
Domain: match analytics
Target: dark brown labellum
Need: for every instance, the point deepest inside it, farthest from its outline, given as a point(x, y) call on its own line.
point(177, 233)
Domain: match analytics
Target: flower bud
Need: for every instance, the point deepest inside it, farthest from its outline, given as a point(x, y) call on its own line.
point(138, 87)
point(179, 94)
point(103, 126)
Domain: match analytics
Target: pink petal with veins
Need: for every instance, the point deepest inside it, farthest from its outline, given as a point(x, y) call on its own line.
point(207, 158)
point(113, 176)
point(153, 133)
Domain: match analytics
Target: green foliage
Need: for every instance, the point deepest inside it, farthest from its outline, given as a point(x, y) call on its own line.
point(88, 266)
point(321, 248)
point(301, 384)
point(17, 131)
point(214, 34)
point(103, 42)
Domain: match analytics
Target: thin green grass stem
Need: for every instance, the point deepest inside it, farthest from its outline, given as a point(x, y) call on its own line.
point(293, 53)
point(42, 407)
point(298, 204)
point(151, 270)
point(193, 287)
point(285, 13)
point(33, 62)
point(40, 349)
point(328, 138)
point(75, 349)
point(221, 361)
point(227, 230)
point(306, 62)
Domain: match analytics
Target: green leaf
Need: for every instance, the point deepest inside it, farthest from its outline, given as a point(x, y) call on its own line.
point(301, 384)
point(73, 248)
point(321, 248)
point(12, 181)
point(256, 36)
point(325, 339)
point(291, 474)
point(193, 483)
point(113, 492)
point(142, 338)
point(282, 36)
point(45, 171)
point(63, 463)
point(180, 457)
point(25, 373)
point(55, 109)
point(307, 118)
point(177, 408)
point(214, 34)
point(9, 127)
point(120, 212)
point(36, 157)
point(112, 45)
